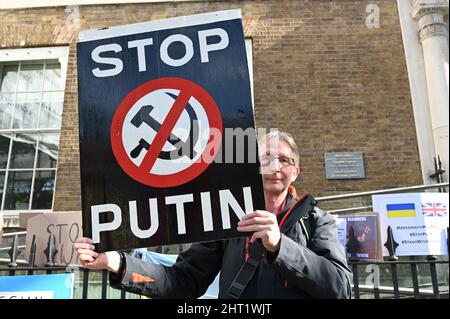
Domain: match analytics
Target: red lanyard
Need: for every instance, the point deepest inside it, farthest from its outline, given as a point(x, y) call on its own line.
point(282, 206)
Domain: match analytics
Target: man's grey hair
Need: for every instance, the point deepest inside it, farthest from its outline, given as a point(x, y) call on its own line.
point(281, 136)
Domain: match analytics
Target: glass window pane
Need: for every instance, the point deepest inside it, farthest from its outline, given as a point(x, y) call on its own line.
point(6, 107)
point(23, 151)
point(48, 150)
point(26, 111)
point(44, 183)
point(9, 78)
point(52, 77)
point(4, 149)
point(30, 77)
point(18, 190)
point(51, 110)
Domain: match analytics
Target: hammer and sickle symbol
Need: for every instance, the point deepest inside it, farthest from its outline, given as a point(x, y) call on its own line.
point(143, 116)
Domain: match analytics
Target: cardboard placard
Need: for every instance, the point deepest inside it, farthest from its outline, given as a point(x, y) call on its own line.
point(64, 228)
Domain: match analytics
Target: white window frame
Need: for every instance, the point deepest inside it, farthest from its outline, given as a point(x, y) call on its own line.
point(34, 54)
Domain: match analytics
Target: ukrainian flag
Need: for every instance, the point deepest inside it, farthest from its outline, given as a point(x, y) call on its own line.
point(401, 210)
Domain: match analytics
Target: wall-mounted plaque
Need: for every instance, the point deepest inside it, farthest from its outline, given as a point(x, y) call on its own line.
point(344, 165)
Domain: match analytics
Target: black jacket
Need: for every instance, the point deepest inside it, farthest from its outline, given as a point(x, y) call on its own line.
point(317, 271)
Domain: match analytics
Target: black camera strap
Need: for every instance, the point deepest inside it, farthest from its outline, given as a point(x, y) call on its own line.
point(299, 210)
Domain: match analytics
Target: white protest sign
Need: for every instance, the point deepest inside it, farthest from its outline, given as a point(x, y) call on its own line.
point(419, 222)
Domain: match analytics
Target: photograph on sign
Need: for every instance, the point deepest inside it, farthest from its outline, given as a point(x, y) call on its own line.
point(54, 235)
point(54, 286)
point(159, 104)
point(419, 222)
point(363, 237)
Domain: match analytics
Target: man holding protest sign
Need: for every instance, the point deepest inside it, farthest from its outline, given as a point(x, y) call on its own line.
point(293, 251)
point(166, 169)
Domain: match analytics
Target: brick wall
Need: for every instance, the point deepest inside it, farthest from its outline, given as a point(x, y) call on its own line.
point(319, 73)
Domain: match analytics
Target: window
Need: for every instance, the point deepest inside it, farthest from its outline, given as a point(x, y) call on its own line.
point(31, 104)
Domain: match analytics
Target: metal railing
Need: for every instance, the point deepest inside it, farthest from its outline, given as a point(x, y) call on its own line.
point(392, 287)
point(377, 192)
point(382, 191)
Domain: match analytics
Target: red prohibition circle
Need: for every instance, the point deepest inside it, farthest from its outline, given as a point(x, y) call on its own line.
point(142, 173)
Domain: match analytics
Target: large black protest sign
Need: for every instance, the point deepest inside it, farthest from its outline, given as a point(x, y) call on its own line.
point(155, 102)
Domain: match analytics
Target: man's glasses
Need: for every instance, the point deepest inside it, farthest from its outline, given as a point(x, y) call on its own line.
point(284, 161)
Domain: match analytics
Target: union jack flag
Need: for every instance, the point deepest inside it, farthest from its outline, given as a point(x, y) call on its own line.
point(434, 209)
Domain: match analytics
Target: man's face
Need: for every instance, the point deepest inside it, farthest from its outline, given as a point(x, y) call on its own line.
point(277, 166)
